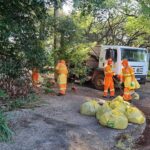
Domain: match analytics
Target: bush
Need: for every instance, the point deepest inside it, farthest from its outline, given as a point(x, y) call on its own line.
point(3, 94)
point(22, 101)
point(5, 131)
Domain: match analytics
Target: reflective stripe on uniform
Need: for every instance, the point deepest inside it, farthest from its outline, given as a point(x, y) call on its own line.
point(112, 89)
point(108, 71)
point(127, 75)
point(127, 93)
point(61, 82)
point(62, 88)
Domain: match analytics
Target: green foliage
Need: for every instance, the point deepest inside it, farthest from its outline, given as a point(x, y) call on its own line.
point(74, 45)
point(23, 26)
point(145, 7)
point(109, 3)
point(22, 34)
point(138, 28)
point(22, 102)
point(80, 53)
point(17, 103)
point(90, 6)
point(125, 142)
point(119, 23)
point(47, 86)
point(3, 94)
point(47, 83)
point(148, 76)
point(5, 131)
point(36, 33)
point(137, 24)
point(48, 90)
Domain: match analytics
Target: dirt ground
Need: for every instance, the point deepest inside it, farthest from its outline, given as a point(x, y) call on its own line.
point(56, 124)
point(143, 143)
point(144, 104)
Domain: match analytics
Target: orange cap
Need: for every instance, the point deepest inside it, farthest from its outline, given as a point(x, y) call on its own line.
point(62, 61)
point(125, 62)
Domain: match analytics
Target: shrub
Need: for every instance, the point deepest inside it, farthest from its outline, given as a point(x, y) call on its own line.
point(5, 131)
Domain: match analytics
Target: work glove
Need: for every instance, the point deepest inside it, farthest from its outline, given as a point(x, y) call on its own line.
point(120, 82)
point(132, 84)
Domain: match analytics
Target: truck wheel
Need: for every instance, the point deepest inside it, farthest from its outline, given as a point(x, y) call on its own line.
point(99, 82)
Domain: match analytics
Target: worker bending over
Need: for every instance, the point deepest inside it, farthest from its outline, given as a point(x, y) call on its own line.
point(108, 80)
point(35, 76)
point(62, 72)
point(130, 82)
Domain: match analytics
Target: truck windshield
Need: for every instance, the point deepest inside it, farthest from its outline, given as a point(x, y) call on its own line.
point(136, 55)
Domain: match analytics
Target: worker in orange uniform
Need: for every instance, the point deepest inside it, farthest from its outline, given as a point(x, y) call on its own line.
point(130, 82)
point(108, 80)
point(35, 76)
point(62, 72)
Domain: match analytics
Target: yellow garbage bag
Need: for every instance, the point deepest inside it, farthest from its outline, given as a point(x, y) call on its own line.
point(114, 119)
point(137, 85)
point(135, 96)
point(89, 108)
point(104, 108)
point(134, 115)
point(119, 104)
point(118, 98)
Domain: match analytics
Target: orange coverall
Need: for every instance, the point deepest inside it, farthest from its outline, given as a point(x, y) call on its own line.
point(108, 80)
point(62, 72)
point(35, 76)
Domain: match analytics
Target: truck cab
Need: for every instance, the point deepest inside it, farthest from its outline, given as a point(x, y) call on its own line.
point(137, 57)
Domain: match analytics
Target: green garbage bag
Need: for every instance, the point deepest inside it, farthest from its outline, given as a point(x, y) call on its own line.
point(104, 108)
point(114, 119)
point(89, 108)
point(134, 115)
point(119, 104)
point(132, 84)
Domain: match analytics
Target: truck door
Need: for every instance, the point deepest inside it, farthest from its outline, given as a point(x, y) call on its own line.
point(112, 53)
point(98, 76)
point(102, 58)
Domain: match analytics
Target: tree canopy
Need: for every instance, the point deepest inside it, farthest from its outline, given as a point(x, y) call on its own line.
point(35, 33)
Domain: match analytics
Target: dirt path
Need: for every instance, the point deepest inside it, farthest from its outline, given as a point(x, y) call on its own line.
point(144, 105)
point(58, 125)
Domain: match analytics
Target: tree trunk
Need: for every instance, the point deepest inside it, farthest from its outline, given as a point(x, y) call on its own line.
point(56, 38)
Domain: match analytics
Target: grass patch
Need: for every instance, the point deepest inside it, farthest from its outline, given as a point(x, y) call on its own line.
point(5, 132)
point(48, 90)
point(148, 76)
point(124, 142)
point(21, 102)
point(3, 94)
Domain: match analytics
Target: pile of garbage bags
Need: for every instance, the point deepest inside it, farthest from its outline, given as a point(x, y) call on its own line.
point(114, 114)
point(89, 108)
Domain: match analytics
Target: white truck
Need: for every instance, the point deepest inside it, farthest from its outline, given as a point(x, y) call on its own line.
point(137, 57)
